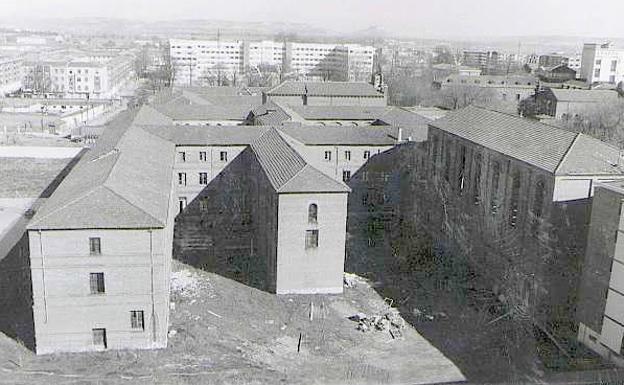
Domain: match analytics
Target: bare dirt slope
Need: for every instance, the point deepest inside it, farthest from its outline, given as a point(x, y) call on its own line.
point(223, 332)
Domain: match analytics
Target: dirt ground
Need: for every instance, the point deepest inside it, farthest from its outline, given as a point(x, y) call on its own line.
point(223, 332)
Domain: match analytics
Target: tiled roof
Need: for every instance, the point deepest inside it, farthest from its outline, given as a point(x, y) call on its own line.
point(493, 80)
point(287, 171)
point(269, 114)
point(583, 96)
point(546, 147)
point(339, 135)
point(204, 136)
point(182, 108)
point(148, 116)
point(325, 89)
point(338, 112)
point(124, 182)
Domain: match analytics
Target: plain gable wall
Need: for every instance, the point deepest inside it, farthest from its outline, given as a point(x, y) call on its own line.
point(317, 270)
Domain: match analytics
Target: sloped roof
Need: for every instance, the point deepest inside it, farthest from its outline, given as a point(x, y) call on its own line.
point(204, 136)
point(294, 88)
point(124, 182)
point(181, 108)
point(397, 116)
point(583, 96)
point(269, 114)
point(148, 115)
point(339, 112)
point(337, 135)
point(287, 170)
point(494, 80)
point(546, 147)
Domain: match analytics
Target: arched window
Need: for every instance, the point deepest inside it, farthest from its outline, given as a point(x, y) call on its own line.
point(312, 213)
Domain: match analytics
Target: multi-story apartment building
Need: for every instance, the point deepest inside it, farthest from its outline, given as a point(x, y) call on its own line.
point(97, 78)
point(205, 62)
point(11, 74)
point(602, 63)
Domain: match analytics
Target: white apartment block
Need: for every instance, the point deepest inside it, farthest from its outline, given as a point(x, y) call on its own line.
point(602, 63)
point(11, 73)
point(202, 62)
point(93, 78)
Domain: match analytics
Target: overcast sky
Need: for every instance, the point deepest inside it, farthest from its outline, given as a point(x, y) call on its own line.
point(424, 18)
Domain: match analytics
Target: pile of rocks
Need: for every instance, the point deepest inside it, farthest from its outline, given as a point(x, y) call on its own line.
point(390, 321)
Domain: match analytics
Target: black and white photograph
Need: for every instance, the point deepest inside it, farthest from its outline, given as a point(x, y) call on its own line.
point(311, 192)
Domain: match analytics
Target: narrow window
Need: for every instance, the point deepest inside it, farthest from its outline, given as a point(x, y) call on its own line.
point(328, 155)
point(182, 178)
point(346, 175)
point(447, 155)
point(311, 241)
point(515, 199)
point(182, 156)
point(538, 200)
point(312, 213)
point(461, 178)
point(202, 156)
point(203, 178)
point(137, 319)
point(99, 338)
point(347, 155)
point(96, 281)
point(95, 246)
point(366, 154)
point(223, 156)
point(181, 204)
point(477, 179)
point(494, 190)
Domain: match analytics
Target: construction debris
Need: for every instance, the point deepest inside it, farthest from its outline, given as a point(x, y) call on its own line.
point(350, 280)
point(391, 321)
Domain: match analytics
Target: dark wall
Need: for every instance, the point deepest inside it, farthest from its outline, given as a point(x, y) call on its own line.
point(230, 228)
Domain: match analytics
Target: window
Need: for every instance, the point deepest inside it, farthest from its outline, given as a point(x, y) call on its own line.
point(203, 178)
point(311, 240)
point(347, 155)
point(597, 73)
point(538, 200)
point(494, 190)
point(461, 178)
point(612, 79)
point(477, 179)
point(182, 178)
point(223, 156)
point(328, 155)
point(515, 199)
point(181, 204)
point(202, 156)
point(613, 65)
point(95, 246)
point(366, 154)
point(137, 319)
point(182, 156)
point(598, 62)
point(203, 204)
point(346, 175)
point(96, 281)
point(99, 338)
point(447, 155)
point(312, 213)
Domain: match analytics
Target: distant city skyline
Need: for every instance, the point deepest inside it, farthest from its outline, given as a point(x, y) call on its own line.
point(451, 19)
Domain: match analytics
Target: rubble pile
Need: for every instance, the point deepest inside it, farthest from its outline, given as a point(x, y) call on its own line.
point(389, 321)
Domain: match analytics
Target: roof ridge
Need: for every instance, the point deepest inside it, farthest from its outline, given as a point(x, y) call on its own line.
point(130, 203)
point(567, 152)
point(537, 122)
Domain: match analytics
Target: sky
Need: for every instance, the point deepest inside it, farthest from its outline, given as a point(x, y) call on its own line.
point(423, 18)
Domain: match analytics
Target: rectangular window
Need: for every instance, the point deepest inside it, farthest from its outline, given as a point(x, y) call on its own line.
point(494, 189)
point(515, 199)
point(99, 338)
point(612, 79)
point(182, 178)
point(182, 156)
point(223, 156)
point(347, 155)
point(613, 65)
point(311, 240)
point(202, 156)
point(95, 246)
point(203, 204)
point(137, 319)
point(203, 178)
point(598, 62)
point(346, 175)
point(366, 154)
point(328, 155)
point(597, 73)
point(181, 204)
point(96, 281)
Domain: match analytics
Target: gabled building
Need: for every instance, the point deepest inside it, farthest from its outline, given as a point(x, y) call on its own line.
point(325, 94)
point(567, 103)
